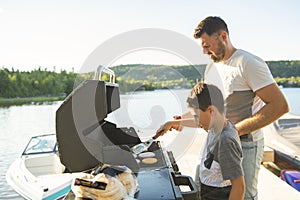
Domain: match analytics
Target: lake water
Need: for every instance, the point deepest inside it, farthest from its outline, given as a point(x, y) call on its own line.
point(142, 110)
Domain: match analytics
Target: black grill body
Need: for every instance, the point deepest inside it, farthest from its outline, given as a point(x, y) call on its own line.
point(85, 140)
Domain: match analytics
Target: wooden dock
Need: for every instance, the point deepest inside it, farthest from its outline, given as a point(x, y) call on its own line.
point(270, 186)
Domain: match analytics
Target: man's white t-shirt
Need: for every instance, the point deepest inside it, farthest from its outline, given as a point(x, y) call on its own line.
point(239, 78)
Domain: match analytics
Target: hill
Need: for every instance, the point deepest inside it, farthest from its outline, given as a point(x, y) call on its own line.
point(15, 83)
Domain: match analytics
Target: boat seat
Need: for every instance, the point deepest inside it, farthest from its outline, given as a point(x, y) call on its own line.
point(44, 164)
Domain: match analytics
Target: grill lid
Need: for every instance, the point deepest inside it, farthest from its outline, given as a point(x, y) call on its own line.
point(84, 138)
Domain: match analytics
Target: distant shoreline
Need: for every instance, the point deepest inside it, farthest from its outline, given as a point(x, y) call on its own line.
point(5, 102)
point(27, 100)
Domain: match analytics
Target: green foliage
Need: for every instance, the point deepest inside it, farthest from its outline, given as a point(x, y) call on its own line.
point(17, 84)
point(288, 82)
point(286, 73)
point(150, 77)
point(284, 69)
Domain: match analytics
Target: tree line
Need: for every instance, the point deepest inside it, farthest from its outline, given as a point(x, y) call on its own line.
point(38, 82)
point(286, 73)
point(42, 82)
point(150, 77)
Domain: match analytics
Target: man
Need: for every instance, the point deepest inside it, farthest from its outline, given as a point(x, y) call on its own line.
point(221, 170)
point(252, 97)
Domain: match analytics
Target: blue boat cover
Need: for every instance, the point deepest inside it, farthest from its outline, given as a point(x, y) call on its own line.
point(292, 177)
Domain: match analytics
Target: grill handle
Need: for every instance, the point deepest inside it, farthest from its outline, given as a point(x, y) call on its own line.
point(100, 69)
point(183, 180)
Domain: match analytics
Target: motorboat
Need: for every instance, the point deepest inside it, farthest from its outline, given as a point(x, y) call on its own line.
point(38, 172)
point(282, 137)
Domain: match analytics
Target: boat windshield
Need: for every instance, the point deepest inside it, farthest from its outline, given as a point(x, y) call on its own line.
point(41, 144)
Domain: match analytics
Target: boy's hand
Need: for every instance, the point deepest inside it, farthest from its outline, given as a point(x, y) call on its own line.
point(162, 130)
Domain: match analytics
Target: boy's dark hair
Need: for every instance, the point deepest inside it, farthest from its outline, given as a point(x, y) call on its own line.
point(210, 25)
point(205, 95)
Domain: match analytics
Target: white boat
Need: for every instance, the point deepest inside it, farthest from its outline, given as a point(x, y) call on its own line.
point(38, 172)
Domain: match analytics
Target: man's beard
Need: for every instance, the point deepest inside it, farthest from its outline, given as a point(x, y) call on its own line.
point(220, 54)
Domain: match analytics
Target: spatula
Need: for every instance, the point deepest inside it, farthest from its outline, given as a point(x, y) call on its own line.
point(139, 148)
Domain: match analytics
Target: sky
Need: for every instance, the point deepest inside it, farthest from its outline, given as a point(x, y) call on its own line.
point(61, 34)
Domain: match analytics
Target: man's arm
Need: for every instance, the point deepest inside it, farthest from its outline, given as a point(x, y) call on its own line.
point(187, 115)
point(275, 106)
point(237, 189)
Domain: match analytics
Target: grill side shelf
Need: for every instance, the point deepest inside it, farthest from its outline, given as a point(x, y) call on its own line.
point(182, 180)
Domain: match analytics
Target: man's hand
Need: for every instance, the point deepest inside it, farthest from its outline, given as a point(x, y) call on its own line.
point(177, 127)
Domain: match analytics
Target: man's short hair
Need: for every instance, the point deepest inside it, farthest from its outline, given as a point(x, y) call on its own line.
point(209, 26)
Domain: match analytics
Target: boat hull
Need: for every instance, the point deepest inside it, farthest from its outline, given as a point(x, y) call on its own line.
point(38, 172)
point(37, 187)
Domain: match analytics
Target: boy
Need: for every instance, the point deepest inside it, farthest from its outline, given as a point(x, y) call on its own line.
point(221, 172)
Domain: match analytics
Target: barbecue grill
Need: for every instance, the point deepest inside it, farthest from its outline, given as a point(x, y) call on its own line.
point(86, 139)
